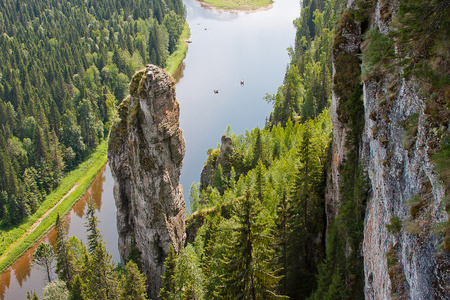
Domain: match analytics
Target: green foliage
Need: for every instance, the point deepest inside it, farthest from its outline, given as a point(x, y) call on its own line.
point(395, 226)
point(306, 89)
point(64, 260)
point(168, 280)
point(281, 187)
point(56, 290)
point(247, 266)
point(89, 273)
point(44, 257)
point(378, 54)
point(133, 285)
point(422, 34)
point(66, 65)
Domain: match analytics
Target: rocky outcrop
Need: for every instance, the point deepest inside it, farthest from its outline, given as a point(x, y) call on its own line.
point(146, 149)
point(222, 157)
point(403, 255)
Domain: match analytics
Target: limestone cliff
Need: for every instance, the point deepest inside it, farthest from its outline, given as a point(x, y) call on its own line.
point(146, 149)
point(403, 256)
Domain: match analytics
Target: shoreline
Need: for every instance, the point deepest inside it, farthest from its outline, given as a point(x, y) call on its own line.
point(44, 220)
point(206, 5)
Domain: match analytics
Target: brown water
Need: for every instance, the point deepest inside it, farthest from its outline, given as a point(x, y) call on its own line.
point(22, 276)
point(226, 48)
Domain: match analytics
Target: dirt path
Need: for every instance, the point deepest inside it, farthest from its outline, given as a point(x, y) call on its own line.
point(36, 224)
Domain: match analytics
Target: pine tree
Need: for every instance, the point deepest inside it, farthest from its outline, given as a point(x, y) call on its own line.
point(94, 236)
point(249, 270)
point(99, 277)
point(76, 292)
point(168, 280)
point(281, 234)
point(257, 148)
point(64, 265)
point(133, 285)
point(44, 257)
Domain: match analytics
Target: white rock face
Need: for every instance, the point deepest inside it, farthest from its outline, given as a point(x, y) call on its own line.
point(398, 171)
point(145, 153)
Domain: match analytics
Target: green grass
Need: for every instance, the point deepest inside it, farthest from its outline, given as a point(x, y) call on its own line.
point(83, 176)
point(175, 59)
point(238, 4)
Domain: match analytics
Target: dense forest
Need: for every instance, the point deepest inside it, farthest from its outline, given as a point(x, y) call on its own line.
point(266, 198)
point(258, 227)
point(260, 223)
point(65, 67)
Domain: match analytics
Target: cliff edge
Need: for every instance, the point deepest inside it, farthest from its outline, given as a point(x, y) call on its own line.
point(146, 149)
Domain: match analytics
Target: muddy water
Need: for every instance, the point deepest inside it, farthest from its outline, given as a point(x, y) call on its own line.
point(22, 276)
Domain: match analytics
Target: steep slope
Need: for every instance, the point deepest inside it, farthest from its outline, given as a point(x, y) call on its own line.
point(145, 154)
point(393, 140)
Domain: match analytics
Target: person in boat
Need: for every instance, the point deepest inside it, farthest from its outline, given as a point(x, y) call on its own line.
point(216, 91)
point(242, 82)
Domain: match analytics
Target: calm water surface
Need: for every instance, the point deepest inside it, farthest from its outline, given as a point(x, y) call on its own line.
point(226, 48)
point(22, 276)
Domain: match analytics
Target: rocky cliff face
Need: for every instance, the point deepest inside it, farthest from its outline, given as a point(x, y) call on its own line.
point(408, 260)
point(146, 149)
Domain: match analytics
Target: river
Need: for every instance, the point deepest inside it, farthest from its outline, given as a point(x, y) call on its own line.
point(226, 48)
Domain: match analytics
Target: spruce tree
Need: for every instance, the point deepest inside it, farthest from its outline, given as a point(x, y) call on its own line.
point(76, 292)
point(64, 265)
point(168, 280)
point(133, 285)
point(100, 278)
point(249, 268)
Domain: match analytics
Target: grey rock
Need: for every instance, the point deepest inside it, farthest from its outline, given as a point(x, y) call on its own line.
point(146, 149)
point(397, 173)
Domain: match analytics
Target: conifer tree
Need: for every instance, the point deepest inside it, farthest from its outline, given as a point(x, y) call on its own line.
point(64, 265)
point(133, 285)
point(101, 281)
point(44, 257)
point(76, 292)
point(257, 148)
point(249, 270)
point(168, 280)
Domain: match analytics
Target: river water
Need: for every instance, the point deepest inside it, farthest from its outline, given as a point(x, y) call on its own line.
point(226, 48)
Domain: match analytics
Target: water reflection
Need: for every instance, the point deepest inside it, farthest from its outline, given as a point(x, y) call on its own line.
point(22, 276)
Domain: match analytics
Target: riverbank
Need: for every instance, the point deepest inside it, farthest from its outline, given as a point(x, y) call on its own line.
point(237, 5)
point(16, 241)
point(175, 59)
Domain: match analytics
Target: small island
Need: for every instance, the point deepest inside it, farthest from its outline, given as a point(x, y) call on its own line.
point(238, 5)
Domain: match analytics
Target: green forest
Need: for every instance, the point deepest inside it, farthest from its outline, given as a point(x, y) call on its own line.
point(258, 228)
point(65, 66)
point(87, 271)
